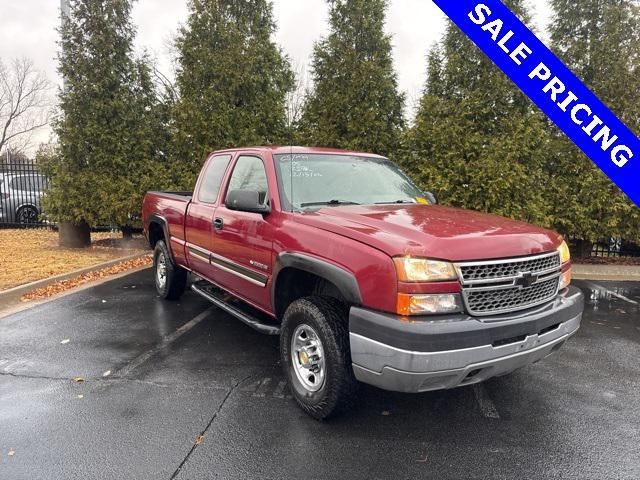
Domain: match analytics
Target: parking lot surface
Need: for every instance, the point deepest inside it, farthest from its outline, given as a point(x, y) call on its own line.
point(112, 382)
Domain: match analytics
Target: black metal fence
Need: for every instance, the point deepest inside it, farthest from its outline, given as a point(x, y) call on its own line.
point(21, 190)
point(615, 247)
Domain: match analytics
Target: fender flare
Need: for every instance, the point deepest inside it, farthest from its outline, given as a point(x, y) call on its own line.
point(160, 220)
point(344, 280)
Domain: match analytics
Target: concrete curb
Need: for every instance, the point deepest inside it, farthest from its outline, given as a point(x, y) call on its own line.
point(619, 273)
point(7, 297)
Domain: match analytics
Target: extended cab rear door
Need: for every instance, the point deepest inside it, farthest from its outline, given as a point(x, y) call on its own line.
point(243, 241)
point(200, 215)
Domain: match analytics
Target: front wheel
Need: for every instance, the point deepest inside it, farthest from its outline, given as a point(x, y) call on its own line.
point(170, 279)
point(315, 355)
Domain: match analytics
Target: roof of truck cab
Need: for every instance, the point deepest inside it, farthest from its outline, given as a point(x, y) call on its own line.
point(300, 151)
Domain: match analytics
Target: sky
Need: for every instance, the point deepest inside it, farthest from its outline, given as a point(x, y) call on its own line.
point(28, 29)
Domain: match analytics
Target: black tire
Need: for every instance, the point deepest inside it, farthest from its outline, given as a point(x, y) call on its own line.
point(175, 277)
point(327, 317)
point(27, 215)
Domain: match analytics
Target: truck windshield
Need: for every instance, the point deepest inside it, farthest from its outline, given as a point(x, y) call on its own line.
point(316, 180)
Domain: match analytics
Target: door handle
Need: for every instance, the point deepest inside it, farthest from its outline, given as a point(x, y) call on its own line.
point(218, 223)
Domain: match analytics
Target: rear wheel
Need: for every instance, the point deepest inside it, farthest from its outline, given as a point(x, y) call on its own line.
point(170, 279)
point(315, 355)
point(27, 215)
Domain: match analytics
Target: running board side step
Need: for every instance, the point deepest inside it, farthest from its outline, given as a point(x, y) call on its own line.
point(215, 296)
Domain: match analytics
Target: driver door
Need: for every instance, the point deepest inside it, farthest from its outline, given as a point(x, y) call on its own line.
point(243, 241)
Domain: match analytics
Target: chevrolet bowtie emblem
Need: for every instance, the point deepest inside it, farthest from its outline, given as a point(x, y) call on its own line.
point(526, 279)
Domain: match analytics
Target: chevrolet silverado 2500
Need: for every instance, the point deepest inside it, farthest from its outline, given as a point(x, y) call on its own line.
point(361, 274)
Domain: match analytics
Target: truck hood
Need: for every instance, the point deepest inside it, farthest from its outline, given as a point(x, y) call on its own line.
point(434, 231)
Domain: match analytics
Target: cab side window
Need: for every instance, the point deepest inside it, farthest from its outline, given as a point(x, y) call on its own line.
point(212, 180)
point(249, 174)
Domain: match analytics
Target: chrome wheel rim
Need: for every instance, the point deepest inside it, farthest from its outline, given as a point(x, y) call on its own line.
point(161, 270)
point(307, 358)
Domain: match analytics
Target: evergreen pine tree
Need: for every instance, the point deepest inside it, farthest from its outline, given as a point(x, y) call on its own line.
point(477, 140)
point(107, 129)
point(599, 41)
point(355, 103)
point(232, 80)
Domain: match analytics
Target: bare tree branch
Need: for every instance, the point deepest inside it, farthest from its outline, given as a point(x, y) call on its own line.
point(164, 81)
point(295, 98)
point(25, 102)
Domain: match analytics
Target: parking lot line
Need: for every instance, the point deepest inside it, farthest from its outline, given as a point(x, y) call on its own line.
point(140, 359)
point(610, 292)
point(487, 406)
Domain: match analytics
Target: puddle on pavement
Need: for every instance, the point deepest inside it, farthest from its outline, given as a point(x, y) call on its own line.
point(621, 300)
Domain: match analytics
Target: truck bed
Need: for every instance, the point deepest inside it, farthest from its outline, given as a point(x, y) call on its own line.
point(177, 195)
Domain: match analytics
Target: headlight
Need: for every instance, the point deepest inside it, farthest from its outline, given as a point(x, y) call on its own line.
point(423, 270)
point(565, 255)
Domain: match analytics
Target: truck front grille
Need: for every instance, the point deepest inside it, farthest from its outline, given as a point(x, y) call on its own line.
point(489, 302)
point(501, 286)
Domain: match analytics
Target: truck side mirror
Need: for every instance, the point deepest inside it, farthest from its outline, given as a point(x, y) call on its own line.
point(246, 201)
point(431, 198)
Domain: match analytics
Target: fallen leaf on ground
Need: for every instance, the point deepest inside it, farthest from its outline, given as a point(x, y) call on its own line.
point(78, 379)
point(64, 285)
point(200, 440)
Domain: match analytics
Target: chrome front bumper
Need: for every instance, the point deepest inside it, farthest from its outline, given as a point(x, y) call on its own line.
point(407, 370)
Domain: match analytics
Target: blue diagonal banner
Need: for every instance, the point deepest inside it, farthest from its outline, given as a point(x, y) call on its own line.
point(537, 71)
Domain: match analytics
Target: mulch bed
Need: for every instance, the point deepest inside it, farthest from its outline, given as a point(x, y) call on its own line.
point(27, 255)
point(135, 243)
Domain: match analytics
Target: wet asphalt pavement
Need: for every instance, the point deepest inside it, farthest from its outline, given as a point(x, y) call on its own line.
point(159, 375)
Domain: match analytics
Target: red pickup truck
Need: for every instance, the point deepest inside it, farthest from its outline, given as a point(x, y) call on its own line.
point(361, 274)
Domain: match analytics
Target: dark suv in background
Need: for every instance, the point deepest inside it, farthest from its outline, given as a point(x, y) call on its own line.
point(20, 196)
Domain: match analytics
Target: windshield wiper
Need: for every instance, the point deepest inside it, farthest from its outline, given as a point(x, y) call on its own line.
point(396, 201)
point(330, 202)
